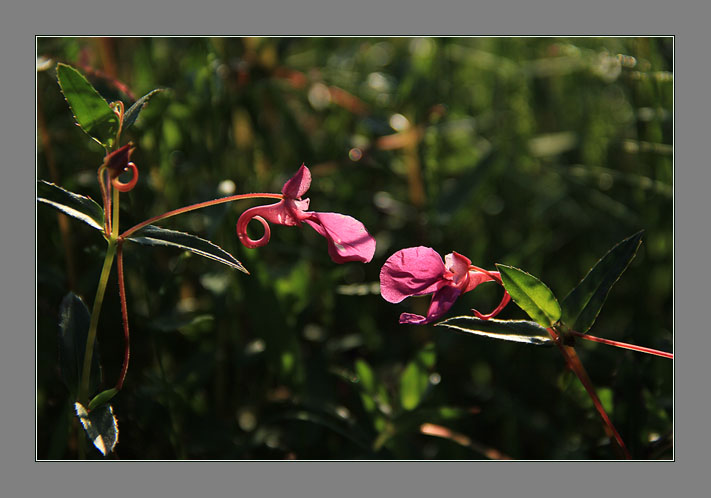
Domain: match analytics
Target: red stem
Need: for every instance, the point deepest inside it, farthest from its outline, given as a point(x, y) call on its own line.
point(624, 345)
point(573, 361)
point(124, 315)
point(199, 205)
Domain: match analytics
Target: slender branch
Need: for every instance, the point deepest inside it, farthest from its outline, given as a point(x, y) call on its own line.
point(115, 207)
point(124, 316)
point(573, 361)
point(623, 345)
point(199, 205)
point(101, 175)
point(91, 337)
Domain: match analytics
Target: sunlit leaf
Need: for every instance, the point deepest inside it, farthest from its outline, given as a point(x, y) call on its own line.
point(74, 320)
point(152, 235)
point(532, 295)
point(132, 113)
point(78, 206)
point(583, 304)
point(523, 331)
point(415, 378)
point(100, 425)
point(91, 112)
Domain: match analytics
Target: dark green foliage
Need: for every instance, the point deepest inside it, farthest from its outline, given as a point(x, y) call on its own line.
point(536, 153)
point(73, 329)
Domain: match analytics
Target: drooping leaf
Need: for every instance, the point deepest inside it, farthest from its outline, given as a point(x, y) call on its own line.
point(583, 304)
point(78, 206)
point(415, 378)
point(74, 320)
point(523, 331)
point(151, 235)
point(131, 115)
point(100, 425)
point(532, 295)
point(91, 112)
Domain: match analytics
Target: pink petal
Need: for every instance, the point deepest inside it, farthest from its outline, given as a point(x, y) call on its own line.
point(413, 319)
point(298, 184)
point(348, 240)
point(458, 265)
point(411, 272)
point(476, 278)
point(442, 300)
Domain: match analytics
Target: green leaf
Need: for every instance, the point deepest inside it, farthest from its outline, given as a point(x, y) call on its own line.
point(151, 235)
point(583, 304)
point(91, 112)
point(78, 206)
point(532, 295)
point(102, 398)
point(507, 330)
point(74, 320)
point(131, 115)
point(415, 378)
point(100, 425)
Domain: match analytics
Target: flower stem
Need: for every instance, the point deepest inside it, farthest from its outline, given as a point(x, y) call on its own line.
point(83, 397)
point(573, 361)
point(623, 345)
point(124, 316)
point(199, 205)
point(115, 223)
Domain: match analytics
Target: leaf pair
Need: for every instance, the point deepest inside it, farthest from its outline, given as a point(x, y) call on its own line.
point(87, 210)
point(581, 307)
point(578, 311)
point(91, 112)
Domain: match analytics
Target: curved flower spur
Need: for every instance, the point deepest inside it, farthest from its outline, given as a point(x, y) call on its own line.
point(347, 238)
point(416, 271)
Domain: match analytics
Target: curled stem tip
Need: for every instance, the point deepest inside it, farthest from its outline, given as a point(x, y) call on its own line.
point(125, 187)
point(242, 223)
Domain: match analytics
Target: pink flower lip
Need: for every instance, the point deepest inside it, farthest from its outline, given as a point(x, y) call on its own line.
point(417, 271)
point(347, 238)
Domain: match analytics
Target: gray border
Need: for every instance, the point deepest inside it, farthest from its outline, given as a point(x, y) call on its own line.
point(22, 477)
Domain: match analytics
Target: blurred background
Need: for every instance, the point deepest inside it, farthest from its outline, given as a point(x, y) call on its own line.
point(541, 153)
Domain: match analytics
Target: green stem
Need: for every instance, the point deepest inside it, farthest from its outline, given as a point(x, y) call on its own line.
point(115, 207)
point(91, 338)
point(199, 205)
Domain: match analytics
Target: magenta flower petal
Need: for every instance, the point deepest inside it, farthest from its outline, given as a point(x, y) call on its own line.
point(411, 272)
point(476, 278)
point(458, 265)
point(348, 240)
point(298, 184)
point(412, 319)
point(442, 300)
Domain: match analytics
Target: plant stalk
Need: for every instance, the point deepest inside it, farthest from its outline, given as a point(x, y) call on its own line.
point(83, 397)
point(199, 205)
point(624, 345)
point(124, 316)
point(573, 361)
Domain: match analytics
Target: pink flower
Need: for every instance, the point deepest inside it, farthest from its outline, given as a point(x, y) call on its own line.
point(416, 271)
point(347, 238)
